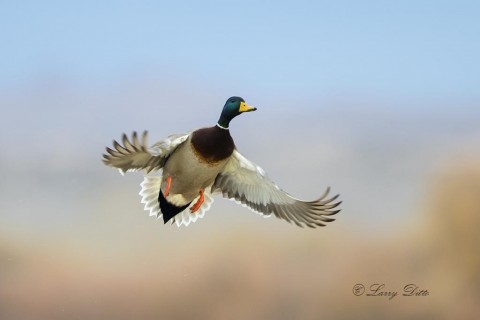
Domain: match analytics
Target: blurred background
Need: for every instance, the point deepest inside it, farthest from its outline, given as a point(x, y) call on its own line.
point(379, 100)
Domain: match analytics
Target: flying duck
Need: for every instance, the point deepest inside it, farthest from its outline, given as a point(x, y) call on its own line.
point(205, 162)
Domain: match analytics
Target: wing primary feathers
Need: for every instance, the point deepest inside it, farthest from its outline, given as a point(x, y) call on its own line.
point(119, 148)
point(127, 143)
point(135, 155)
point(247, 183)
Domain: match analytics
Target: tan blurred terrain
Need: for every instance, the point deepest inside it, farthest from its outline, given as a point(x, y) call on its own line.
point(244, 268)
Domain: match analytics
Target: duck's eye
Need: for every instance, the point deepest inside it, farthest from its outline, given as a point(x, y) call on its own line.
point(232, 101)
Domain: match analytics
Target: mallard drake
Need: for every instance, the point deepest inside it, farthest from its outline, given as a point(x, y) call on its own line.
point(204, 162)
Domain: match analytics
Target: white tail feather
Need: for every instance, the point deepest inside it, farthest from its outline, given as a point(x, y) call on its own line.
point(149, 193)
point(186, 217)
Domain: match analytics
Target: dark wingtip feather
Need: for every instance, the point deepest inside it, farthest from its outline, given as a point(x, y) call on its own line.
point(334, 212)
point(144, 138)
point(327, 191)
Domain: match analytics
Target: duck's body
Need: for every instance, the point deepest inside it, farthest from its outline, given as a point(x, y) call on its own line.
point(193, 166)
point(204, 162)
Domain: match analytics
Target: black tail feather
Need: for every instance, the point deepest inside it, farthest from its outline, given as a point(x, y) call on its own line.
point(169, 210)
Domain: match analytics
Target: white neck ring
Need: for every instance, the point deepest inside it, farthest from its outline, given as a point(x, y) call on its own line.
point(221, 127)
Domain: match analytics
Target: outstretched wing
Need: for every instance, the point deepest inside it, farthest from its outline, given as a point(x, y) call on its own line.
point(136, 155)
point(247, 183)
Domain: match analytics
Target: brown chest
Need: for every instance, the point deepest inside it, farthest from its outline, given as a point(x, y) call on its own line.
point(212, 145)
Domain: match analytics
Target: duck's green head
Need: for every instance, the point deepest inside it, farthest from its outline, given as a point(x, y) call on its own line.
point(233, 107)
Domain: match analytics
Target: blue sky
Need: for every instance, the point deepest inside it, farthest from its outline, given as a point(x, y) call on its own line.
point(376, 47)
